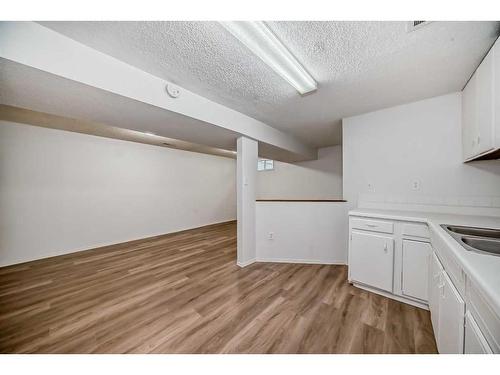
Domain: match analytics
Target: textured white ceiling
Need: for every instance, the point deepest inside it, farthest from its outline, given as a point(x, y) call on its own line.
point(25, 87)
point(30, 88)
point(360, 66)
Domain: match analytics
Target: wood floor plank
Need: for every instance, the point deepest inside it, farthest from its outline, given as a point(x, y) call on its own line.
point(184, 293)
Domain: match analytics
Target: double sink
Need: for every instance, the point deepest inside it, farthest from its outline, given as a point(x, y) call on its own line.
point(481, 240)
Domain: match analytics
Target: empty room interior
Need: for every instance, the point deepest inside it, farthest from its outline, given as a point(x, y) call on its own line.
point(294, 187)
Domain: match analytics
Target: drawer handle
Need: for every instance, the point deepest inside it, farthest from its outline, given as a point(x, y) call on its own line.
point(372, 225)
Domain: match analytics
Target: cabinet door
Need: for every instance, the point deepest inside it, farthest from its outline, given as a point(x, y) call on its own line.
point(475, 343)
point(415, 269)
point(371, 260)
point(451, 319)
point(484, 105)
point(434, 293)
point(469, 128)
point(496, 93)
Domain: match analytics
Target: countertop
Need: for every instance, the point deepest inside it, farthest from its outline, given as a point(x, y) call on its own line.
point(300, 200)
point(482, 269)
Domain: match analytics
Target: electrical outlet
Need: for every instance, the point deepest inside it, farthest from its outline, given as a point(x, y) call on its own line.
point(270, 236)
point(415, 185)
point(371, 187)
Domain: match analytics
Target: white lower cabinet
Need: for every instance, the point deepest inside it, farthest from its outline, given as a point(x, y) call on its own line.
point(415, 268)
point(390, 257)
point(475, 343)
point(451, 319)
point(456, 331)
point(434, 292)
point(396, 259)
point(447, 310)
point(371, 260)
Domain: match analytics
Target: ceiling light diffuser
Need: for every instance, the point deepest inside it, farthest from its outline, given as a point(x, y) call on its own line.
point(257, 36)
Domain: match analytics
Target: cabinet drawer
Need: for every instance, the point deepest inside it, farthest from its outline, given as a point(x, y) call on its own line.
point(416, 230)
point(373, 225)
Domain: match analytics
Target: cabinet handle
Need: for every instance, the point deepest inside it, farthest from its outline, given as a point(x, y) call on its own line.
point(371, 225)
point(441, 285)
point(478, 139)
point(385, 248)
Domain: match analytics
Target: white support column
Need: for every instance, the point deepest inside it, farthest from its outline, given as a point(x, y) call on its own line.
point(246, 176)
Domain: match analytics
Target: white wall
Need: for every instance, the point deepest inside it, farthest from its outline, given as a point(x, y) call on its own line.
point(62, 192)
point(302, 232)
point(391, 148)
point(316, 179)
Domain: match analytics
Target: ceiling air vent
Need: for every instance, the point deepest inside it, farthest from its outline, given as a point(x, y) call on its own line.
point(415, 25)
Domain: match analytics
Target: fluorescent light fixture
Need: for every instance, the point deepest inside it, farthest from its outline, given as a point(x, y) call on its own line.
point(257, 36)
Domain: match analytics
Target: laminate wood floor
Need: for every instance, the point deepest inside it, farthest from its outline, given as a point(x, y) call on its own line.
point(183, 293)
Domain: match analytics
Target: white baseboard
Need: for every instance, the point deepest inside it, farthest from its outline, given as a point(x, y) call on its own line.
point(392, 296)
point(246, 263)
point(300, 261)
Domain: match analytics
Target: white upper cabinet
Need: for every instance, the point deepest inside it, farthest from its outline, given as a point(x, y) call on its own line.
point(481, 109)
point(484, 105)
point(469, 130)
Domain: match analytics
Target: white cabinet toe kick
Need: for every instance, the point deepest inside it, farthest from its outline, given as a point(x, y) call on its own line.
point(408, 262)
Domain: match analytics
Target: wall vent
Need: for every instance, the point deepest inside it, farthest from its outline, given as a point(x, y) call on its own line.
point(415, 25)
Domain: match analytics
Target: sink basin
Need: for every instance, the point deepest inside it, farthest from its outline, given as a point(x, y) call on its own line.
point(483, 244)
point(481, 240)
point(472, 231)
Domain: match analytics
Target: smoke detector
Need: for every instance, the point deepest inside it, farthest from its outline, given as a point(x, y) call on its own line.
point(173, 91)
point(415, 25)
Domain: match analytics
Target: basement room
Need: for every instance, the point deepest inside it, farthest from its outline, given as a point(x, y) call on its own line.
point(249, 184)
